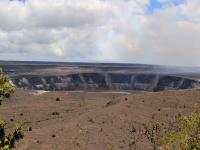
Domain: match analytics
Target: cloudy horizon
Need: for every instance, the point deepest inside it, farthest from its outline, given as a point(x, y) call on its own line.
point(163, 32)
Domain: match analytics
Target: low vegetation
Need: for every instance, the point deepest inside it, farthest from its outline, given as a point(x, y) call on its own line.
point(55, 113)
point(184, 135)
point(7, 141)
point(152, 133)
point(6, 86)
point(132, 140)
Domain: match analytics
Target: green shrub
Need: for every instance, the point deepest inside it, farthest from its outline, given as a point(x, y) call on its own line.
point(186, 135)
point(6, 86)
point(7, 141)
point(55, 113)
point(183, 134)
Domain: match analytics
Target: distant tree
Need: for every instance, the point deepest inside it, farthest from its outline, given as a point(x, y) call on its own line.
point(7, 141)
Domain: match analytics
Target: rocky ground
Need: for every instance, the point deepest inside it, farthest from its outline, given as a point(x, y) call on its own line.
point(92, 120)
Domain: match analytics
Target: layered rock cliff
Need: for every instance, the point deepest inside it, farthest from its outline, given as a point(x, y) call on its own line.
point(105, 81)
point(88, 76)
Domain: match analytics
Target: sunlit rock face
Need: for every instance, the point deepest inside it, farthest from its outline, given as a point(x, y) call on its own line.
point(84, 76)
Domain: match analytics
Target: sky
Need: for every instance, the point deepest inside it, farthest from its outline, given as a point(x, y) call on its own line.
point(164, 32)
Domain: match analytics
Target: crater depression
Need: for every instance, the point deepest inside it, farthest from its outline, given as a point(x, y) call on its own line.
point(96, 76)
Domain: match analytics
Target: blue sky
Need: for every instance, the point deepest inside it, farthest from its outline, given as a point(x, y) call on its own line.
point(23, 1)
point(156, 4)
point(19, 0)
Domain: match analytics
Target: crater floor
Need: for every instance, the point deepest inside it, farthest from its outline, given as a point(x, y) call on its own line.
point(91, 120)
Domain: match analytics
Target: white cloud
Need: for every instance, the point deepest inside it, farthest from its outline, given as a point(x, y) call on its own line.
point(172, 35)
point(51, 14)
point(100, 30)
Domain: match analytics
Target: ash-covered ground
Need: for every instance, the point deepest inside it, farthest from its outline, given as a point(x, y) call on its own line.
point(92, 120)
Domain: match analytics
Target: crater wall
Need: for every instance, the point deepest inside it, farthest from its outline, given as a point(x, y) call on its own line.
point(100, 76)
point(105, 81)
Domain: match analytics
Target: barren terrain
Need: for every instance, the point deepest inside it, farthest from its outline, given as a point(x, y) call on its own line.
point(91, 120)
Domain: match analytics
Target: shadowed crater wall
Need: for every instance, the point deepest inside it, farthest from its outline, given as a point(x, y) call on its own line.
point(85, 76)
point(95, 81)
